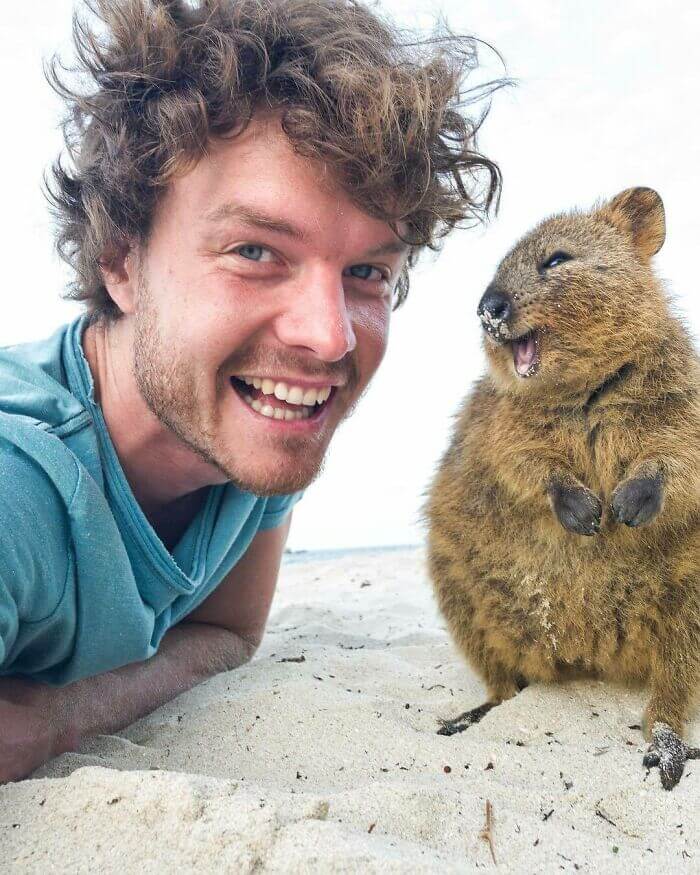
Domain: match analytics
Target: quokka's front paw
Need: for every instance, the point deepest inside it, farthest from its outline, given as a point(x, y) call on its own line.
point(638, 501)
point(578, 509)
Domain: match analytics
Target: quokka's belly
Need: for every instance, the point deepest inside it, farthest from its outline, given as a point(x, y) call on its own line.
point(555, 607)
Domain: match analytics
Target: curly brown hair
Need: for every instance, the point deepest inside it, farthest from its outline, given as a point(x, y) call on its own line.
point(382, 108)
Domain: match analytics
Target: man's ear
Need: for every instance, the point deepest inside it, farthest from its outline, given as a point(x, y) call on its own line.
point(639, 212)
point(120, 271)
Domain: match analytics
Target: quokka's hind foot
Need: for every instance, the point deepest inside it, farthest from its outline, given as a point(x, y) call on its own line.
point(501, 686)
point(465, 720)
point(669, 752)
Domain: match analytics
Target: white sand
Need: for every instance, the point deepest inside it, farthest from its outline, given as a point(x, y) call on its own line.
point(333, 764)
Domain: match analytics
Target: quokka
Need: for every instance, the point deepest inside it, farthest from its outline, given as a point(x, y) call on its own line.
point(564, 518)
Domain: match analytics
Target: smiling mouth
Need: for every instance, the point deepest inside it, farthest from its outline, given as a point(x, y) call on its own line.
point(526, 355)
point(281, 401)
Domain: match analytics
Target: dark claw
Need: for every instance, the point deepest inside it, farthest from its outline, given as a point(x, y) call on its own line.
point(465, 720)
point(636, 502)
point(651, 758)
point(669, 753)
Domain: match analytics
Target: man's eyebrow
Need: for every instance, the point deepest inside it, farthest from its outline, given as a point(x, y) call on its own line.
point(259, 219)
point(254, 217)
point(394, 247)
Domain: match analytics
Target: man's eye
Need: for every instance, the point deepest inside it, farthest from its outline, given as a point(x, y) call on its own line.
point(364, 272)
point(251, 252)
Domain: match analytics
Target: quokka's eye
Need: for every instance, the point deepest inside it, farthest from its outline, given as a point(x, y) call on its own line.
point(557, 258)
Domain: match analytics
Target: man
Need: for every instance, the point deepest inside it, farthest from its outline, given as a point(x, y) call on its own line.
point(250, 181)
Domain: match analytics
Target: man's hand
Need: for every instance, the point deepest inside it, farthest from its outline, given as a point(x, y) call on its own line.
point(28, 734)
point(38, 722)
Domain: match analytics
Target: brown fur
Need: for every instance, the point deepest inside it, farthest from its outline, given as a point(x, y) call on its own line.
point(616, 398)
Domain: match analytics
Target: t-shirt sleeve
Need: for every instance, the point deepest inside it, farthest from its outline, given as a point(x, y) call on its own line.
point(277, 509)
point(9, 622)
point(34, 547)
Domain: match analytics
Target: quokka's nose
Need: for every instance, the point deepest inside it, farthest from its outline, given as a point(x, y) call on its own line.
point(495, 306)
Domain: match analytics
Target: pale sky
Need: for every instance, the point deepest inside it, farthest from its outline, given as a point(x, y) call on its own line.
point(606, 99)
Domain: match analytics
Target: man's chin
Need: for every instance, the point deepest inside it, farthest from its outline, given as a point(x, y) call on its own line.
point(266, 484)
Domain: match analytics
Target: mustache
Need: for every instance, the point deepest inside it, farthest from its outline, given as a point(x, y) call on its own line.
point(263, 360)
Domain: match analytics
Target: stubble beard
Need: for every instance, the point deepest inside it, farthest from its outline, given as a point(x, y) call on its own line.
point(170, 392)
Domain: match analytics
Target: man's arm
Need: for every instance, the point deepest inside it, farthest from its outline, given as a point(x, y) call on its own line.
point(38, 722)
point(241, 603)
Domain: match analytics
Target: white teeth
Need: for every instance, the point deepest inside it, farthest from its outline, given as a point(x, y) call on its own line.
point(293, 395)
point(276, 412)
point(290, 394)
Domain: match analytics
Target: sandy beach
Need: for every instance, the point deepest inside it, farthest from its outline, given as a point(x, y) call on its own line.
point(322, 756)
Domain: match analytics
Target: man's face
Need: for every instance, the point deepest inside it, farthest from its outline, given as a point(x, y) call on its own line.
point(261, 309)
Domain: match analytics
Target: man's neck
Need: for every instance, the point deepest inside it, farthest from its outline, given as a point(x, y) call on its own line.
point(167, 478)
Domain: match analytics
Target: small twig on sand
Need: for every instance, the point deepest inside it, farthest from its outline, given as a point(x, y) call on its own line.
point(599, 811)
point(487, 832)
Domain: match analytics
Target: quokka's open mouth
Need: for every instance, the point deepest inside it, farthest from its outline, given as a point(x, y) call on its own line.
point(526, 355)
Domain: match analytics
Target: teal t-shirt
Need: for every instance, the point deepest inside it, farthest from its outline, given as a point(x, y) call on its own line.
point(86, 585)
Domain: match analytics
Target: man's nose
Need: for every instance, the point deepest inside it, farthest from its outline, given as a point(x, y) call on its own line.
point(317, 318)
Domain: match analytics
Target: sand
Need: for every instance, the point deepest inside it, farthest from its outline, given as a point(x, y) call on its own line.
point(321, 756)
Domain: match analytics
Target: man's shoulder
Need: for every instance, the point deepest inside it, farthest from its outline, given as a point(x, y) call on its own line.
point(35, 531)
point(36, 468)
point(27, 475)
point(44, 354)
point(33, 383)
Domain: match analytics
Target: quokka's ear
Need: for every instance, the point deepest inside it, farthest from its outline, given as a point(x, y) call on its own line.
point(639, 212)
